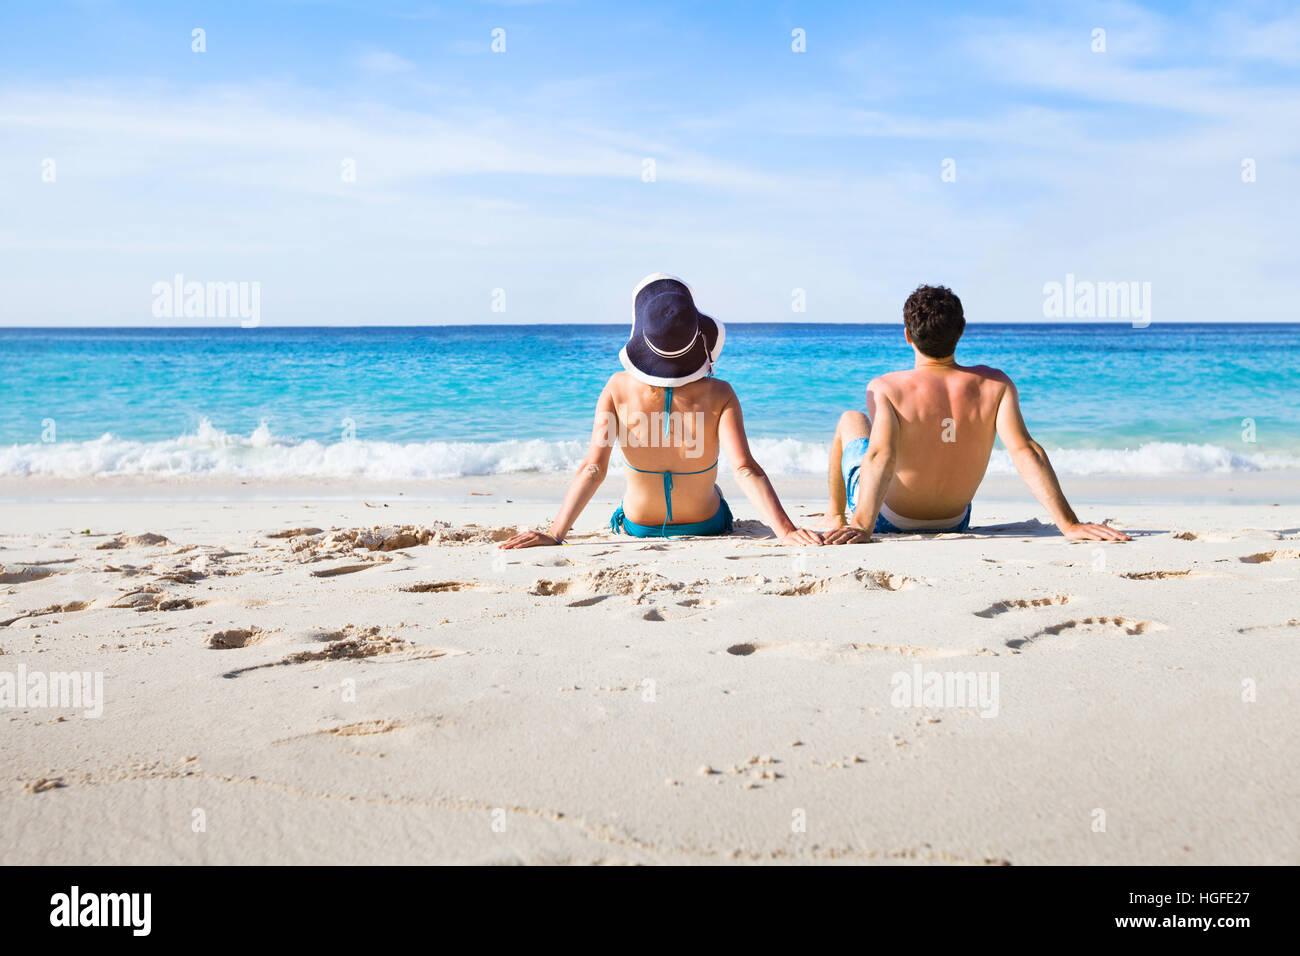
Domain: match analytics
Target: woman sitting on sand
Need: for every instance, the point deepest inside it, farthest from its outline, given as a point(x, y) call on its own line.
point(670, 417)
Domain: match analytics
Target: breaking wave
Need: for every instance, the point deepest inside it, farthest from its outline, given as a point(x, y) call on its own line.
point(212, 452)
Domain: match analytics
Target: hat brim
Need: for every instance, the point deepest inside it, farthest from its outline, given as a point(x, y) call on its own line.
point(648, 366)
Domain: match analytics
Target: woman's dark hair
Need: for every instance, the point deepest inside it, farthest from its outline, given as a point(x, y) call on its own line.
point(933, 318)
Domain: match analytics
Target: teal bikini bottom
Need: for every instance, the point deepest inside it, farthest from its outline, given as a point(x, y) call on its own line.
point(720, 523)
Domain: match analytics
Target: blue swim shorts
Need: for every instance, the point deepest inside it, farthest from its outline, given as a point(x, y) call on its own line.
point(851, 464)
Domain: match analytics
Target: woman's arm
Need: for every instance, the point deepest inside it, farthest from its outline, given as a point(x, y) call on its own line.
point(753, 480)
point(584, 484)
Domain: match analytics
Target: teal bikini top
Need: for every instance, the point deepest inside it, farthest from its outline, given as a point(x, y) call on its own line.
point(668, 475)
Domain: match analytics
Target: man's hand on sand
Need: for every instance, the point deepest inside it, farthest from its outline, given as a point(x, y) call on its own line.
point(1093, 532)
point(801, 537)
point(529, 539)
point(847, 534)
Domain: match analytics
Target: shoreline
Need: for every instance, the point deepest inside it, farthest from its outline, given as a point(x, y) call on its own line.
point(1280, 487)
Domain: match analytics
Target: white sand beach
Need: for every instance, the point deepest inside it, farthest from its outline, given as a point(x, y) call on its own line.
point(360, 676)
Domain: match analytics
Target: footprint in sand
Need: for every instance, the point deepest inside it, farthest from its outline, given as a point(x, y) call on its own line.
point(1264, 556)
point(236, 637)
point(146, 540)
point(353, 643)
point(1001, 607)
point(363, 728)
point(394, 537)
point(1088, 625)
point(126, 570)
point(294, 533)
point(153, 598)
point(678, 611)
point(181, 576)
point(310, 545)
point(346, 569)
point(375, 727)
point(24, 575)
point(607, 582)
point(543, 588)
point(857, 580)
point(825, 651)
point(52, 609)
point(1293, 622)
point(440, 587)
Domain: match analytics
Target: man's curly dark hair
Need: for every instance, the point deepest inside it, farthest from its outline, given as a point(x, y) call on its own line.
point(933, 318)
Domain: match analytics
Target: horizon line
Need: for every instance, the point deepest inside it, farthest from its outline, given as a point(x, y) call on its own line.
point(596, 325)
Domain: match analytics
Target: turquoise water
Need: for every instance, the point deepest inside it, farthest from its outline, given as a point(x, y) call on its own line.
point(444, 401)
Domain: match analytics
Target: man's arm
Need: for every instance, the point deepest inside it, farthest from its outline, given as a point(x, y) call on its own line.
point(588, 478)
point(1036, 470)
point(877, 471)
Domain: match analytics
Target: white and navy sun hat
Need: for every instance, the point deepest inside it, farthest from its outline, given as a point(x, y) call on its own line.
point(672, 342)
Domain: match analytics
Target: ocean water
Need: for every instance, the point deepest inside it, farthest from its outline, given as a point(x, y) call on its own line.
point(438, 402)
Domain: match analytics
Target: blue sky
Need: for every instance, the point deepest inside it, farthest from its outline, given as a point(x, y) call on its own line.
point(523, 170)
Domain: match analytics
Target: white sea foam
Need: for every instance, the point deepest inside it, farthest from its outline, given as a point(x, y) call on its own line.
point(212, 452)
point(1153, 458)
point(788, 456)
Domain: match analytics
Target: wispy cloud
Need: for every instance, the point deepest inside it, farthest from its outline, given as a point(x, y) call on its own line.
point(572, 165)
point(383, 61)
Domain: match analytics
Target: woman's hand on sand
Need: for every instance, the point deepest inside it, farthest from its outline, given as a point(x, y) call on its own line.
point(802, 538)
point(847, 534)
point(1093, 532)
point(529, 539)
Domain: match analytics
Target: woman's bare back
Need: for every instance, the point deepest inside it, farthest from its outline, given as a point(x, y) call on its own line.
point(689, 450)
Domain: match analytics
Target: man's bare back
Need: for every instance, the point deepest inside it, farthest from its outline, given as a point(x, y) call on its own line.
point(946, 416)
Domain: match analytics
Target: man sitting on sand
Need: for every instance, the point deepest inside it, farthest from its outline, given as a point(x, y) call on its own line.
point(913, 462)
